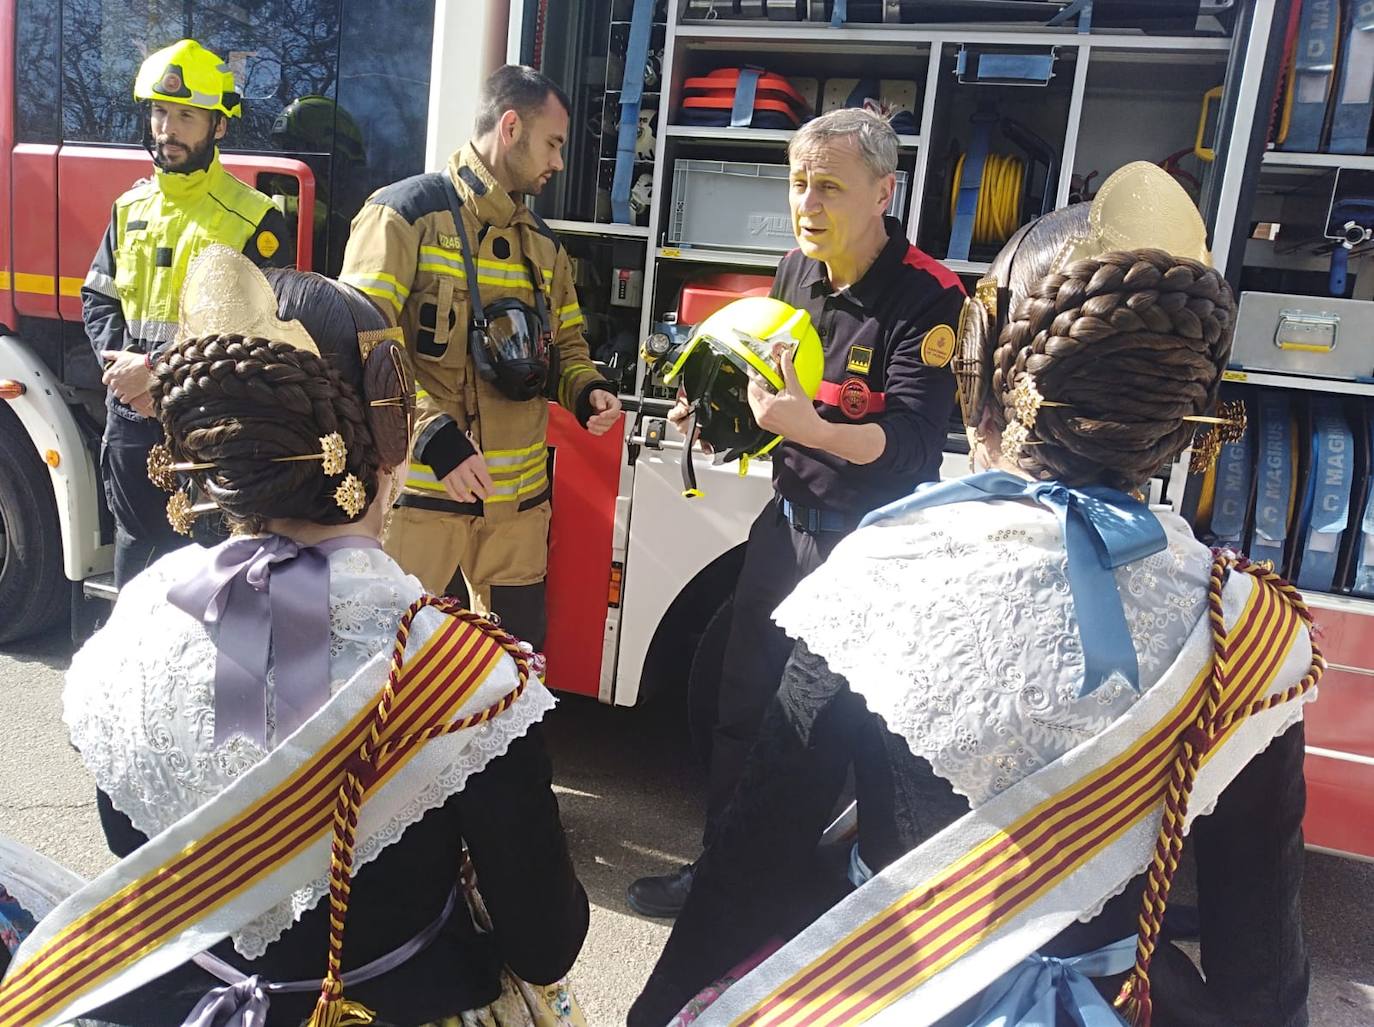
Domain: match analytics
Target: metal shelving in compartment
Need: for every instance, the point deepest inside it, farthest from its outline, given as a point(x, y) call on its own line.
point(720, 257)
point(1285, 159)
point(598, 228)
point(1303, 383)
point(727, 136)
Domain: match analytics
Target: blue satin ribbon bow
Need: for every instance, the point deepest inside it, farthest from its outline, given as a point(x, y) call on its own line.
point(268, 594)
point(1036, 990)
point(1102, 529)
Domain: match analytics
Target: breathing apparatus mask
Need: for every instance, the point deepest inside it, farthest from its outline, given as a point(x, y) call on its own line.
point(510, 342)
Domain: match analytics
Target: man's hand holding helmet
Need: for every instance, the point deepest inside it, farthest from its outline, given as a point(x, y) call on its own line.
point(789, 412)
point(680, 416)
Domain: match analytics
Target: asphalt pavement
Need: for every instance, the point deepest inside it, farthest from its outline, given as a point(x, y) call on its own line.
point(631, 799)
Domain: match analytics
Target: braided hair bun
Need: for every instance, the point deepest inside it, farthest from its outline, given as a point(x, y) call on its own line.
point(1122, 346)
point(238, 403)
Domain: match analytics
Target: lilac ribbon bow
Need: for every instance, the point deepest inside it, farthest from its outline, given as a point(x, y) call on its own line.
point(268, 595)
point(244, 1004)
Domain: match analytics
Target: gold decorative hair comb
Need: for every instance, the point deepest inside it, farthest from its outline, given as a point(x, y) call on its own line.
point(351, 495)
point(226, 294)
point(162, 472)
point(181, 514)
point(1230, 427)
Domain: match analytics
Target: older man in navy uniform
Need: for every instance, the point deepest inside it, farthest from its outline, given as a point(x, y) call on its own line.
point(886, 314)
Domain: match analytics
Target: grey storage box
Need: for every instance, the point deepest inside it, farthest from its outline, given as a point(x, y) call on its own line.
point(1314, 335)
point(739, 205)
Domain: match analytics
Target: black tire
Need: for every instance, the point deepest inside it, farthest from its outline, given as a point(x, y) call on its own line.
point(703, 680)
point(34, 591)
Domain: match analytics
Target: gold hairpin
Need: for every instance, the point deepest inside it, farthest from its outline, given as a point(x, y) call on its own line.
point(1230, 425)
point(1026, 400)
point(333, 454)
point(351, 495)
point(1015, 436)
point(162, 471)
point(395, 401)
point(1235, 420)
point(181, 514)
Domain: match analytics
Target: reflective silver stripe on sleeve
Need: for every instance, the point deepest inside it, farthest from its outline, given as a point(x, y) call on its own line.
point(429, 431)
point(98, 281)
point(153, 333)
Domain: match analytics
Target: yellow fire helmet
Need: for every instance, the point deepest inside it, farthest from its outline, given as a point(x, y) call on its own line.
point(187, 73)
point(713, 368)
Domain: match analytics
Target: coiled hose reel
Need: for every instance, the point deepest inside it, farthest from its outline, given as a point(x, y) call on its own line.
point(993, 194)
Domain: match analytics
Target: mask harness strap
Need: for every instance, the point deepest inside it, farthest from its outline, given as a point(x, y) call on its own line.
point(477, 327)
point(477, 331)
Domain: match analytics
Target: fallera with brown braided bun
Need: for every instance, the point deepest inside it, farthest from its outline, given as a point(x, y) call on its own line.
point(1126, 345)
point(238, 404)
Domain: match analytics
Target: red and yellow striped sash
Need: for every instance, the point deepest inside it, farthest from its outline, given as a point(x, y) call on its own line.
point(931, 926)
point(419, 701)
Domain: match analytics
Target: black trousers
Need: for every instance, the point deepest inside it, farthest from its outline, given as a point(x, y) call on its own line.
point(776, 557)
point(142, 532)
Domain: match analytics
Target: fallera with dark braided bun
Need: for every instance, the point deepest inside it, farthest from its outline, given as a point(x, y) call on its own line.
point(240, 404)
point(1130, 344)
point(1121, 350)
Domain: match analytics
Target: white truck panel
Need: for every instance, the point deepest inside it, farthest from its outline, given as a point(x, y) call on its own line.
point(75, 482)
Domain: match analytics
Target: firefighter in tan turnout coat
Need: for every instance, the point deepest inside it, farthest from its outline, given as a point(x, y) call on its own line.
point(486, 359)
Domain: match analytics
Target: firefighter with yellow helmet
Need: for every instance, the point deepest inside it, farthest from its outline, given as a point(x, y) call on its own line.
point(129, 300)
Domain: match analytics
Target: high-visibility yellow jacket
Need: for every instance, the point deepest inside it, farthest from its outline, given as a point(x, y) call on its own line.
point(130, 298)
point(404, 252)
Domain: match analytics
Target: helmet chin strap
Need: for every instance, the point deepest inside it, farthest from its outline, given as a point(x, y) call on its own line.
point(200, 162)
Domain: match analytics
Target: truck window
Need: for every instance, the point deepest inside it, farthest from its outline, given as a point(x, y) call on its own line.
point(383, 105)
point(37, 87)
point(279, 50)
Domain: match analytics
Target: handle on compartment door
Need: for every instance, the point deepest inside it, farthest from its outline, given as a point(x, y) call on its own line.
point(1205, 153)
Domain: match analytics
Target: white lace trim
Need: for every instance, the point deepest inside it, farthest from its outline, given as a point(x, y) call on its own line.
point(491, 741)
point(1124, 882)
point(139, 704)
point(956, 624)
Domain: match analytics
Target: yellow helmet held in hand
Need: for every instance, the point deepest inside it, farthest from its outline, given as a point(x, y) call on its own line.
point(187, 73)
point(714, 366)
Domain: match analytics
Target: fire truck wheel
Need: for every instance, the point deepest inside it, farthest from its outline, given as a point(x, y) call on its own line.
point(34, 592)
point(703, 680)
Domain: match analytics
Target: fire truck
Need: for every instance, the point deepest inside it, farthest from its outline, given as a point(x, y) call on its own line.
point(342, 98)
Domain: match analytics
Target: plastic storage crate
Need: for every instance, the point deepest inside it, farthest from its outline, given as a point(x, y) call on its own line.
point(737, 205)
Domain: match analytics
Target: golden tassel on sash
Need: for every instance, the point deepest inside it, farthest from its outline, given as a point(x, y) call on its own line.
point(363, 769)
point(1133, 1002)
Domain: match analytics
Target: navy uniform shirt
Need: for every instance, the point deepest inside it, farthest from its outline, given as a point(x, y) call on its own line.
point(888, 339)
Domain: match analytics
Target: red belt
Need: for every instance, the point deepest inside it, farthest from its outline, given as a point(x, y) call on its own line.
point(853, 397)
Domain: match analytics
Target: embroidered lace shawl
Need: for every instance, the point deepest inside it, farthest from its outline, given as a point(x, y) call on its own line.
point(957, 626)
point(139, 703)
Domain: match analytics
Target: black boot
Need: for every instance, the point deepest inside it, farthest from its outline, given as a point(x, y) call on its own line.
point(661, 896)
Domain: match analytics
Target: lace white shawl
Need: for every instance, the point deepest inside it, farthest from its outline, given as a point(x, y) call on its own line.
point(956, 625)
point(139, 703)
